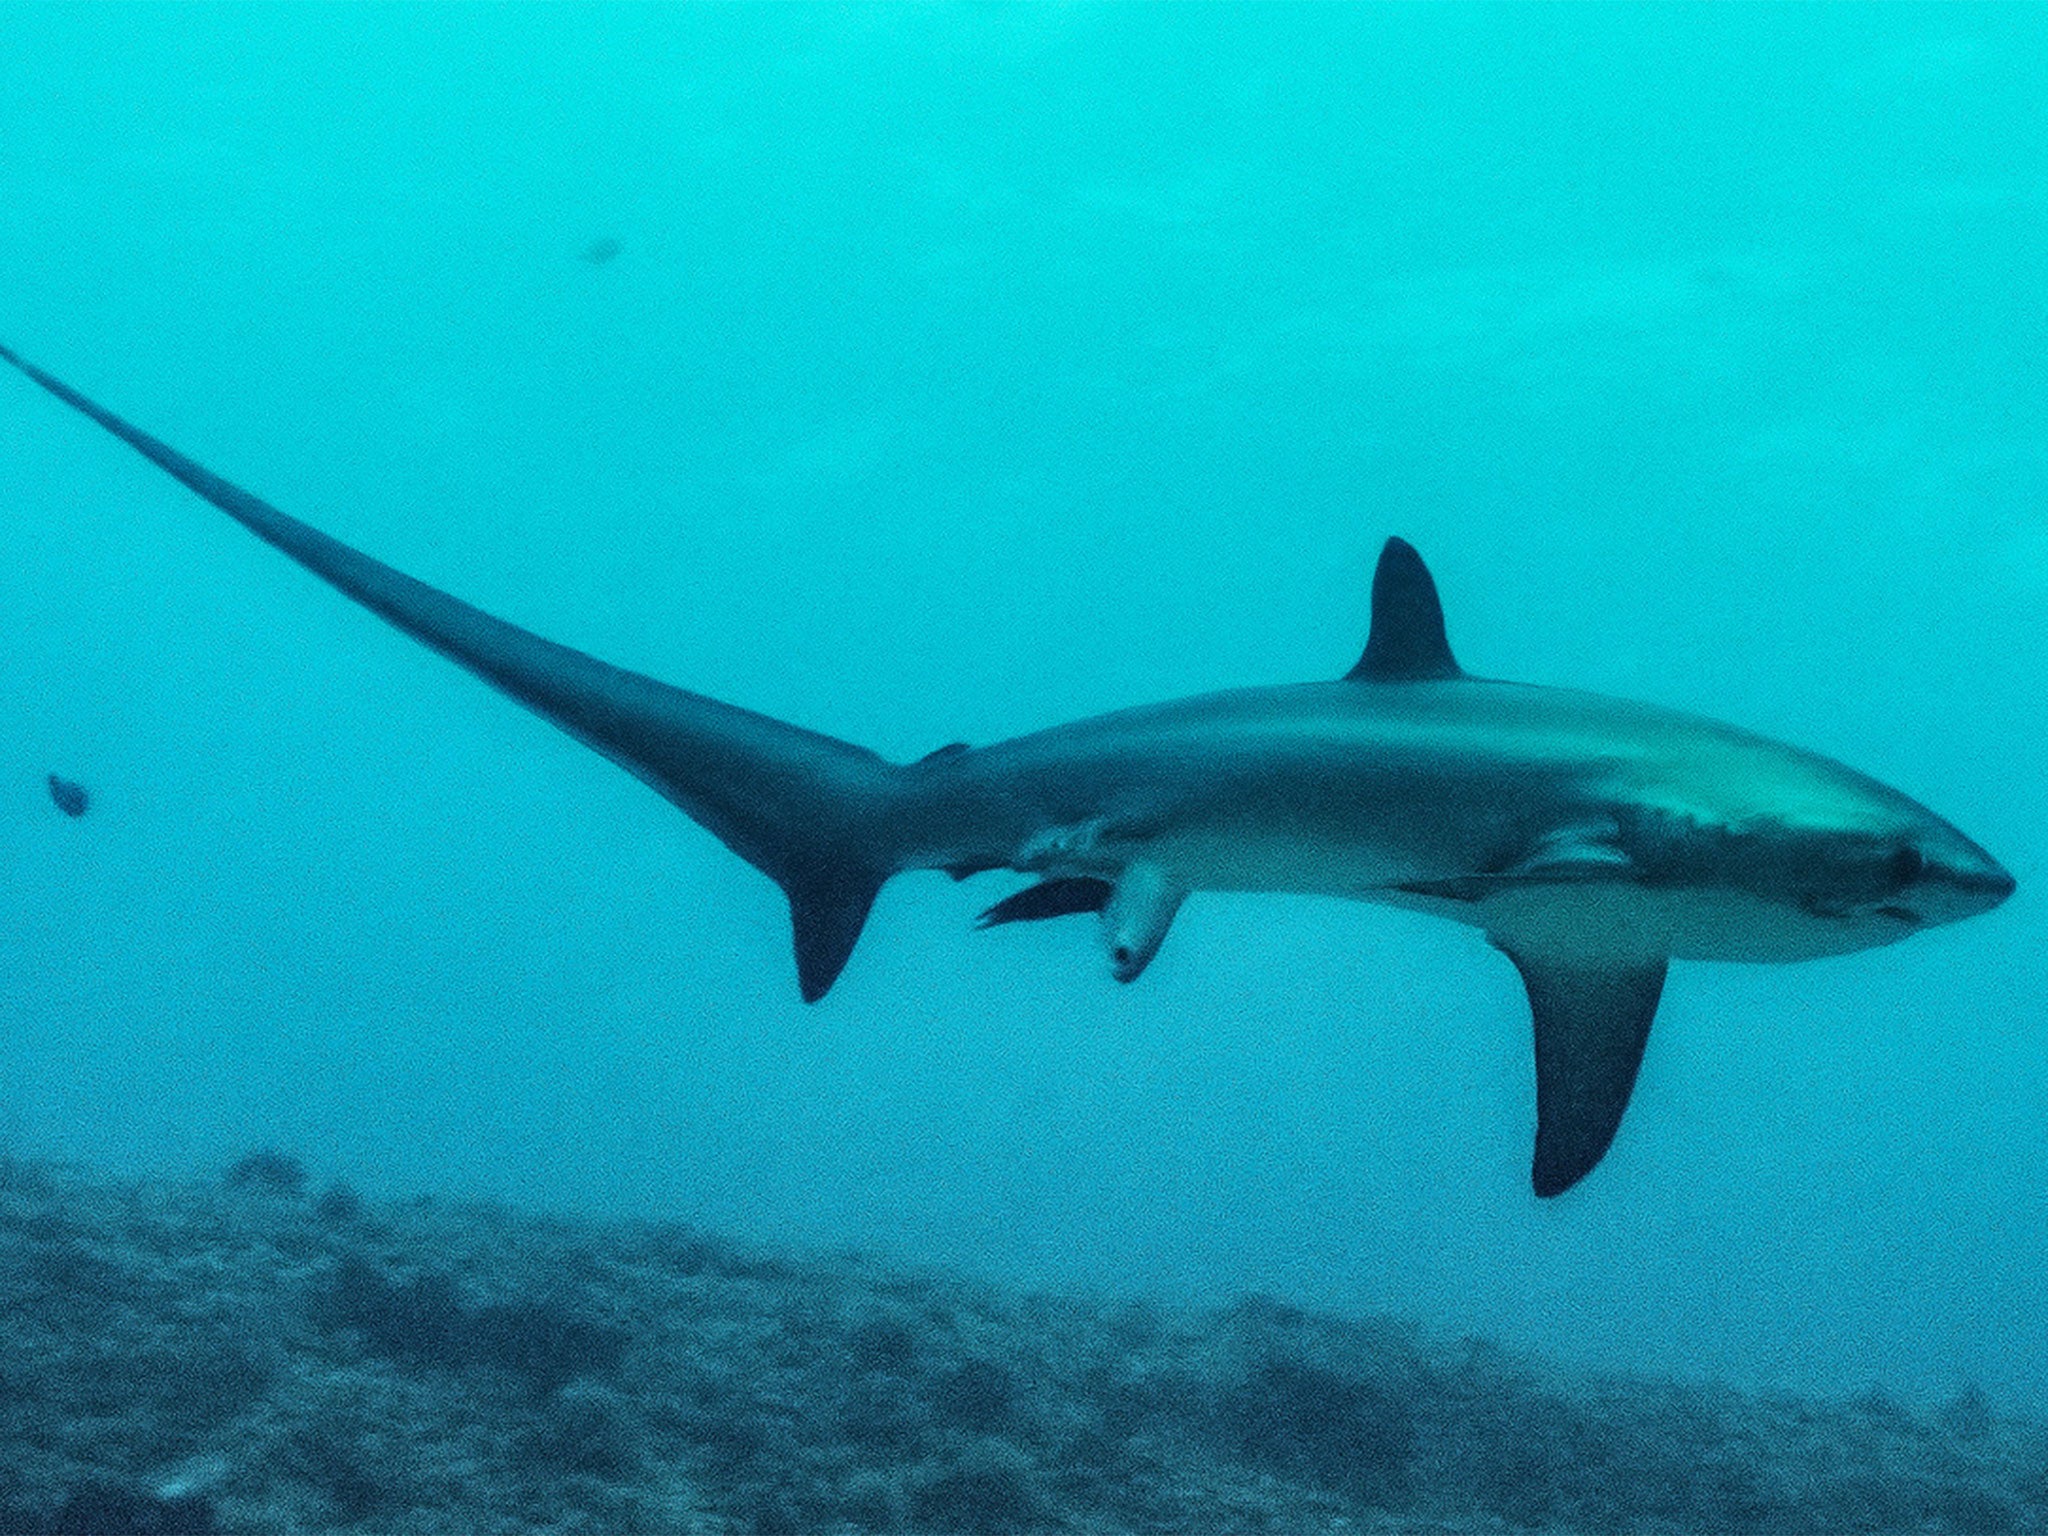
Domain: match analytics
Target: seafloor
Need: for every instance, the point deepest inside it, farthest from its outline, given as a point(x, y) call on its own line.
point(255, 1356)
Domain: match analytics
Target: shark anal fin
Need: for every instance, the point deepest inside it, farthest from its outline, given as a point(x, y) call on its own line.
point(1048, 898)
point(1406, 643)
point(1592, 1020)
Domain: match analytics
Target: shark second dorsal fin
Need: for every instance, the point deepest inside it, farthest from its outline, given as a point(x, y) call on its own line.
point(1406, 643)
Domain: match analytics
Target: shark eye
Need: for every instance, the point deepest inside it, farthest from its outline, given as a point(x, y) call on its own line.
point(1906, 866)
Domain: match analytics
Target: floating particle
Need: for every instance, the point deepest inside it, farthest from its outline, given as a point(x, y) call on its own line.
point(70, 798)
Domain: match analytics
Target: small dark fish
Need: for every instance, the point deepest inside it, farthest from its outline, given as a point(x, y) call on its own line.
point(598, 252)
point(70, 798)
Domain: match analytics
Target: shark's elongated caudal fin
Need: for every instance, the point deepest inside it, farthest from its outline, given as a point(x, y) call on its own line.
point(811, 812)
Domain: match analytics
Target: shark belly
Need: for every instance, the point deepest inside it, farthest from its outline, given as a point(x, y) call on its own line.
point(1620, 921)
point(1217, 814)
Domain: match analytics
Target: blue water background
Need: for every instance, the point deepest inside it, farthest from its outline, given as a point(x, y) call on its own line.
point(965, 370)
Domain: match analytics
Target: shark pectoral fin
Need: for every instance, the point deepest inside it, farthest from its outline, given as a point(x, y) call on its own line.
point(1048, 898)
point(1592, 1020)
point(1135, 920)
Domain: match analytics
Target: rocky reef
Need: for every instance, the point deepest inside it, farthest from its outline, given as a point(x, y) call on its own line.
point(258, 1355)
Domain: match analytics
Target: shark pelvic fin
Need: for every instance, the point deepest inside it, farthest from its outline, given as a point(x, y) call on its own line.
point(1592, 1020)
point(1136, 917)
point(1406, 643)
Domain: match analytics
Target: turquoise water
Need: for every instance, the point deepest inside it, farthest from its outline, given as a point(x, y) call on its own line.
point(958, 372)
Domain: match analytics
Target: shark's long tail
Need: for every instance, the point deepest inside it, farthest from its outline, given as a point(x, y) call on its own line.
point(819, 816)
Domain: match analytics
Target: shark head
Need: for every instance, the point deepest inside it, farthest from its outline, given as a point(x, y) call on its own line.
point(1625, 832)
point(1919, 872)
point(1844, 864)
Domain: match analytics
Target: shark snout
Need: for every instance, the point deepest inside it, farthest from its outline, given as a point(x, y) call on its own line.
point(1959, 880)
point(1987, 883)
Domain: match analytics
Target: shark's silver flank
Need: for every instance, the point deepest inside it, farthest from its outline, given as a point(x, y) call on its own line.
point(1591, 840)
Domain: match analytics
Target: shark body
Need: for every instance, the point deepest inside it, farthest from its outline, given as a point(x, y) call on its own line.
point(1591, 839)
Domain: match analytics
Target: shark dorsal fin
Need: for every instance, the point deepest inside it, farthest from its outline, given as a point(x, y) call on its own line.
point(1406, 643)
